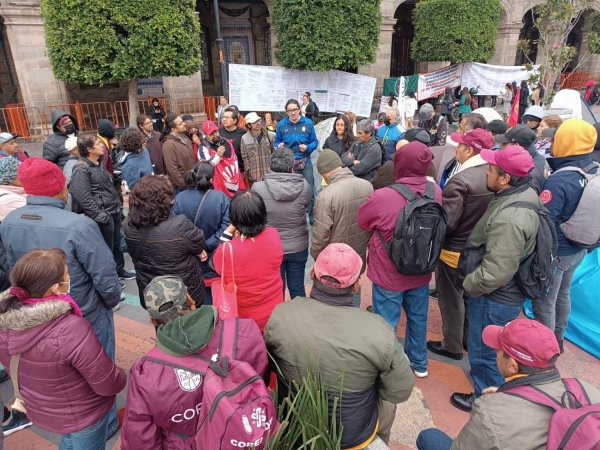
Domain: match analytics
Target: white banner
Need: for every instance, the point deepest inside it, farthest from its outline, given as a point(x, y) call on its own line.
point(267, 88)
point(491, 79)
point(432, 84)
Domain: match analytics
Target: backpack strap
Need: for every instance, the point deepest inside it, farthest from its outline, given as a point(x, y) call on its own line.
point(429, 191)
point(404, 191)
point(576, 389)
point(535, 395)
point(190, 363)
point(200, 206)
point(585, 172)
point(229, 338)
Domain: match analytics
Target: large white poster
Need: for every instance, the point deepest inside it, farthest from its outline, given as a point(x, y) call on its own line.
point(434, 83)
point(491, 79)
point(267, 88)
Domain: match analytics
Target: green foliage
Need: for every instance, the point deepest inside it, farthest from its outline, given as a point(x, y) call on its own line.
point(326, 34)
point(101, 41)
point(455, 30)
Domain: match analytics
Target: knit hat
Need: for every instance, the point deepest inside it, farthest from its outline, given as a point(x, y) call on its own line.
point(417, 134)
point(327, 161)
point(209, 127)
point(425, 111)
point(41, 177)
point(8, 169)
point(106, 128)
point(574, 137)
point(497, 127)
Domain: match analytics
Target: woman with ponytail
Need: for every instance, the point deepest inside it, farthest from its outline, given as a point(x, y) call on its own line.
point(207, 209)
point(63, 379)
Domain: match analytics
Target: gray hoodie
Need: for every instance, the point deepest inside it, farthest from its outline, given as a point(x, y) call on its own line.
point(286, 196)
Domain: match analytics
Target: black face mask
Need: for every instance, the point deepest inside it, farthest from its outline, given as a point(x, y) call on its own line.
point(387, 121)
point(69, 129)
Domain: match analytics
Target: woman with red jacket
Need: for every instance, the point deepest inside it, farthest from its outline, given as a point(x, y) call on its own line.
point(66, 380)
point(257, 256)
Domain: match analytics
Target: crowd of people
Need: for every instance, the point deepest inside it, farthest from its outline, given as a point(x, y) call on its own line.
point(235, 203)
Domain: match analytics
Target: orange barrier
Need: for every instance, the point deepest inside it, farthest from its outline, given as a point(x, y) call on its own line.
point(577, 80)
point(190, 105)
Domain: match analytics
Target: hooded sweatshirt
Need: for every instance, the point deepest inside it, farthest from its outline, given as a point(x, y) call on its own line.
point(286, 197)
point(380, 211)
point(54, 147)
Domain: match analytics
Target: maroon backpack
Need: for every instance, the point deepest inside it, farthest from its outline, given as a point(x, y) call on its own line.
point(574, 427)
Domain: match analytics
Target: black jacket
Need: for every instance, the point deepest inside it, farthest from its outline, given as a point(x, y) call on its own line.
point(170, 248)
point(93, 189)
point(54, 147)
point(369, 154)
point(333, 142)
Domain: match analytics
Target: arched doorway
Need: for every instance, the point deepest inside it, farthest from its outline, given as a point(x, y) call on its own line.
point(404, 31)
point(529, 32)
point(9, 86)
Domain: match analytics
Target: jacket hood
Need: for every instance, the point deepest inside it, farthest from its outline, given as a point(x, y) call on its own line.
point(57, 114)
point(284, 187)
point(574, 137)
point(187, 334)
point(412, 160)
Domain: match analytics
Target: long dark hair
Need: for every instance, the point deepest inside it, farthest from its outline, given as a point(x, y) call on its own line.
point(33, 275)
point(349, 137)
point(150, 201)
point(248, 213)
point(200, 176)
point(169, 125)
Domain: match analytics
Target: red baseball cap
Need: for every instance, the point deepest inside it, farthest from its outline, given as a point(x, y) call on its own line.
point(209, 127)
point(339, 262)
point(526, 341)
point(513, 159)
point(478, 139)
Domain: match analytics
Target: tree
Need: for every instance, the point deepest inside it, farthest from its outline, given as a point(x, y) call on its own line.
point(104, 41)
point(555, 19)
point(326, 34)
point(455, 30)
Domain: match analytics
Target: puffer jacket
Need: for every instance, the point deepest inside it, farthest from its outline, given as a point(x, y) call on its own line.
point(369, 154)
point(507, 236)
point(43, 223)
point(66, 379)
point(54, 147)
point(170, 248)
point(178, 156)
point(465, 198)
point(93, 189)
point(336, 214)
point(286, 197)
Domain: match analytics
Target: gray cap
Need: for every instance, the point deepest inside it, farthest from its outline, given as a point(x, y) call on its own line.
point(165, 296)
point(7, 137)
point(425, 111)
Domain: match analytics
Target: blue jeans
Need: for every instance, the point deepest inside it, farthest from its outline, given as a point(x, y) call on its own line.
point(207, 295)
point(553, 311)
point(389, 304)
point(483, 312)
point(433, 439)
point(90, 438)
point(292, 270)
point(309, 176)
point(104, 327)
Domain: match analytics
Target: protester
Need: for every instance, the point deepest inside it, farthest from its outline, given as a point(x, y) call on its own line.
point(297, 133)
point(341, 138)
point(545, 134)
point(152, 143)
point(507, 98)
point(561, 193)
point(392, 290)
point(465, 198)
point(93, 189)
point(253, 259)
point(352, 118)
point(184, 333)
point(348, 348)
point(10, 149)
point(533, 116)
point(256, 148)
point(193, 134)
point(537, 95)
point(336, 209)
point(309, 108)
point(526, 352)
point(160, 243)
point(12, 194)
point(232, 131)
point(135, 160)
point(501, 239)
point(220, 153)
point(390, 132)
point(176, 151)
point(106, 138)
point(208, 209)
point(448, 104)
point(64, 125)
point(157, 114)
point(74, 157)
point(223, 105)
point(523, 99)
point(434, 123)
point(464, 105)
point(410, 108)
point(497, 127)
point(65, 379)
point(365, 155)
point(286, 195)
point(376, 123)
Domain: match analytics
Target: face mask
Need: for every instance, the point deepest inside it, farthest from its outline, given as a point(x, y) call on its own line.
point(70, 129)
point(387, 121)
point(68, 283)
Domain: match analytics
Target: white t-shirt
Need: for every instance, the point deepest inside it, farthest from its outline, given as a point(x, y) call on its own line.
point(410, 107)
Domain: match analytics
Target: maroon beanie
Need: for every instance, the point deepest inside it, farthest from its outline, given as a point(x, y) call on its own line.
point(41, 177)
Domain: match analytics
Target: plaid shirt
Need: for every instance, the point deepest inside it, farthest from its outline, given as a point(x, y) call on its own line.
point(256, 155)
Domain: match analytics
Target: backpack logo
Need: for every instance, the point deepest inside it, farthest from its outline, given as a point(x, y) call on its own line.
point(259, 418)
point(188, 381)
point(246, 424)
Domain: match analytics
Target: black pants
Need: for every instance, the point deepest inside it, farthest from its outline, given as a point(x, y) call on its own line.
point(111, 232)
point(453, 308)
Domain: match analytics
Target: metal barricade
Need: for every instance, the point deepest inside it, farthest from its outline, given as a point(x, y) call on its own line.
point(24, 121)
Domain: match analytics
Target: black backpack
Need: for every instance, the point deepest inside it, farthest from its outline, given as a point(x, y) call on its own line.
point(419, 234)
point(316, 111)
point(595, 96)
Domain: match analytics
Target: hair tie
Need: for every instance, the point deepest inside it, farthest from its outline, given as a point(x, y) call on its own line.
point(20, 293)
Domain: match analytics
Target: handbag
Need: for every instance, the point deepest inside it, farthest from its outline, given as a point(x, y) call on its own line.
point(225, 293)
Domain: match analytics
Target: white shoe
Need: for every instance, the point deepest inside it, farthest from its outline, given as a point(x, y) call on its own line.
point(116, 308)
point(420, 374)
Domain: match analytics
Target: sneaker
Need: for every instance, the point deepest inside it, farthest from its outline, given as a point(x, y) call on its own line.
point(420, 374)
point(116, 308)
point(126, 275)
point(123, 286)
point(18, 421)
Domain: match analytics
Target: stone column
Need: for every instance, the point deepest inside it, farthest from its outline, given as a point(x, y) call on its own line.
point(506, 44)
point(273, 38)
point(190, 88)
point(380, 69)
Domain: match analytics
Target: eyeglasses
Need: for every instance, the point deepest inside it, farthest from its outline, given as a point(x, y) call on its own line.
point(293, 110)
point(228, 117)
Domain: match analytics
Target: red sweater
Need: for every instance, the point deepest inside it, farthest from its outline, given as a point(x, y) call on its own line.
point(256, 263)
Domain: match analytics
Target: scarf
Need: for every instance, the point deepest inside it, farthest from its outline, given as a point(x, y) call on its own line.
point(23, 297)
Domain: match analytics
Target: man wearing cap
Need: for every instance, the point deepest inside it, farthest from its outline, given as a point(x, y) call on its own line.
point(347, 347)
point(63, 126)
point(12, 194)
point(573, 144)
point(221, 154)
point(526, 354)
point(501, 239)
point(256, 148)
point(10, 149)
point(465, 198)
point(496, 127)
point(164, 399)
point(390, 132)
point(434, 123)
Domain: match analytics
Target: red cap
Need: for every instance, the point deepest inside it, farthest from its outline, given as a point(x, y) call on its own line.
point(478, 139)
point(526, 341)
point(209, 127)
point(340, 262)
point(513, 159)
point(41, 177)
